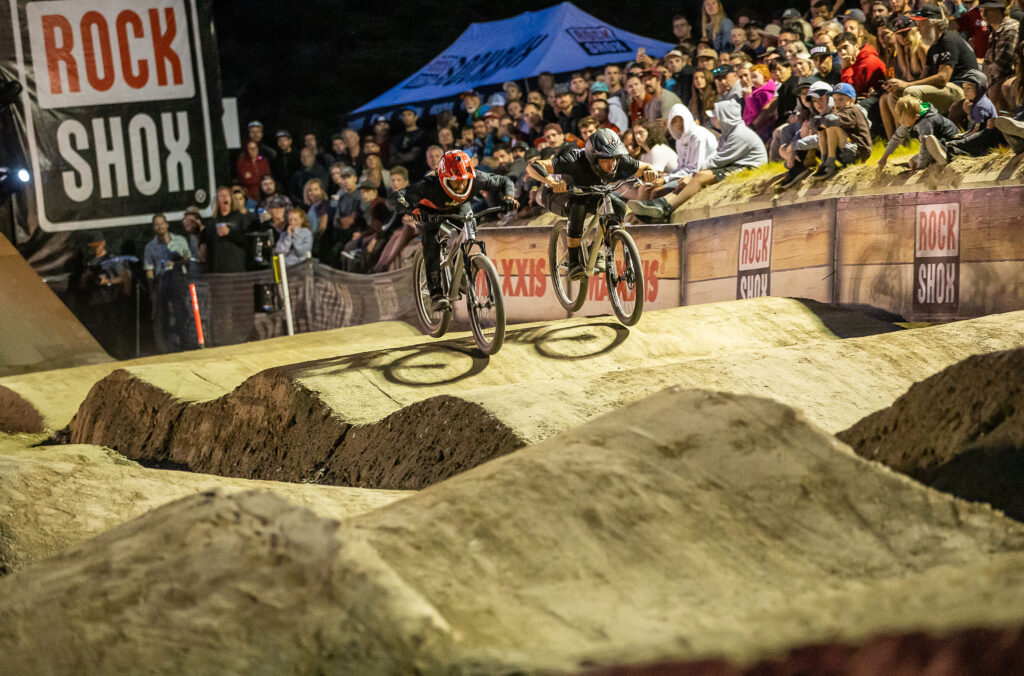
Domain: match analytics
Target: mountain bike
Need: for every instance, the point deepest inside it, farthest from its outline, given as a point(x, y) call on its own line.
point(607, 248)
point(464, 272)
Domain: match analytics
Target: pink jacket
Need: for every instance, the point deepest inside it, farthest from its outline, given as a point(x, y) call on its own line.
point(757, 100)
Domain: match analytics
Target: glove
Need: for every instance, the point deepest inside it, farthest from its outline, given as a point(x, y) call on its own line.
point(509, 204)
point(417, 215)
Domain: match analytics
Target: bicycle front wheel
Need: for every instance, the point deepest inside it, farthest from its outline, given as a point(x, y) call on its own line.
point(625, 276)
point(571, 293)
point(485, 304)
point(435, 323)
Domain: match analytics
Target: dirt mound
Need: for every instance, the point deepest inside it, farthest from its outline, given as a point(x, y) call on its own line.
point(35, 402)
point(961, 431)
point(354, 420)
point(689, 524)
point(55, 497)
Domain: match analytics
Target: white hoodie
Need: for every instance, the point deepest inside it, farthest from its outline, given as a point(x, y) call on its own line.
point(694, 146)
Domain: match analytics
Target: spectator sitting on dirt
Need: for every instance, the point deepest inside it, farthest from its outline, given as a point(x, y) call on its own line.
point(760, 106)
point(296, 242)
point(738, 148)
point(703, 97)
point(695, 144)
point(727, 82)
point(800, 152)
point(845, 135)
point(649, 138)
point(861, 66)
point(981, 136)
point(920, 119)
point(826, 64)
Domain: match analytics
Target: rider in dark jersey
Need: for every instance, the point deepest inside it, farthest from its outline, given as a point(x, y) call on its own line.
point(447, 191)
point(603, 160)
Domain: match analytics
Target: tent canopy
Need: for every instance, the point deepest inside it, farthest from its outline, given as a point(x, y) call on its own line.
point(557, 39)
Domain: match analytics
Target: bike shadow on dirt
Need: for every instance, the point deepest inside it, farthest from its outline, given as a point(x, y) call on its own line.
point(447, 362)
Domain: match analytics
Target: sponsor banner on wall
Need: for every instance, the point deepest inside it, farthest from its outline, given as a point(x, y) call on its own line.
point(937, 259)
point(753, 274)
point(116, 108)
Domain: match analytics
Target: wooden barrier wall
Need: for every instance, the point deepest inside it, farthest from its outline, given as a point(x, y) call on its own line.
point(924, 256)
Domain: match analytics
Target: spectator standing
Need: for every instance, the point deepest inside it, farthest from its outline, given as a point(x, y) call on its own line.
point(738, 148)
point(568, 112)
point(160, 256)
point(268, 190)
point(255, 133)
point(660, 100)
point(225, 236)
point(446, 138)
point(240, 203)
point(353, 155)
point(728, 85)
point(470, 109)
point(879, 12)
point(716, 26)
point(315, 198)
point(345, 219)
point(532, 126)
point(616, 114)
point(322, 158)
point(375, 172)
point(754, 47)
point(277, 210)
point(759, 109)
point(704, 95)
point(827, 64)
point(1002, 49)
point(599, 111)
point(638, 98)
point(295, 243)
point(105, 283)
point(408, 149)
point(680, 74)
point(286, 163)
point(195, 233)
point(861, 66)
point(310, 169)
point(382, 135)
point(616, 84)
point(681, 28)
point(434, 155)
point(250, 168)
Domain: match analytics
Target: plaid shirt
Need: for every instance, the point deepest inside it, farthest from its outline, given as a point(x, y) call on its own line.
point(1002, 45)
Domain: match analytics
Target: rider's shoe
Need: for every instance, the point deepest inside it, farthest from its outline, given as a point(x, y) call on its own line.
point(575, 263)
point(654, 211)
point(1013, 131)
point(439, 303)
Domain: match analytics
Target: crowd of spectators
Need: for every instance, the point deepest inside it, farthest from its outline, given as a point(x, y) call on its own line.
point(812, 87)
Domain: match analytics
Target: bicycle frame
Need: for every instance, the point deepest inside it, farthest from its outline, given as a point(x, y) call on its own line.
point(458, 242)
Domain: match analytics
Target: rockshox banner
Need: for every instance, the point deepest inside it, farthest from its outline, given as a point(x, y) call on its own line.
point(119, 117)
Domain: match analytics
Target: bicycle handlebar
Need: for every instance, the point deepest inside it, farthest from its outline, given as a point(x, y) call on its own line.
point(464, 218)
point(609, 188)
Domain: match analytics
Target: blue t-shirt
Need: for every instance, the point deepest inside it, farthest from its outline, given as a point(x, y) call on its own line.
point(982, 110)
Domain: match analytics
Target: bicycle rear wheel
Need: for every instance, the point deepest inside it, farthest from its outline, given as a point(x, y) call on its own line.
point(571, 293)
point(435, 323)
point(625, 276)
point(485, 304)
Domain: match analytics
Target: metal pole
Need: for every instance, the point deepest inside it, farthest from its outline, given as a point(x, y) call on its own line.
point(195, 313)
point(281, 271)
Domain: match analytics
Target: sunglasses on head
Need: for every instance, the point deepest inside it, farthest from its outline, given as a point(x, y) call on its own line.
point(721, 71)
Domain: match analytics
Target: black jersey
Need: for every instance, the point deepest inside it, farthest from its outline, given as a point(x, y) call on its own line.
point(428, 194)
point(574, 166)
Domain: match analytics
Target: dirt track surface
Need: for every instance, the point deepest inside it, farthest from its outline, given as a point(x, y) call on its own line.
point(405, 418)
point(55, 497)
point(47, 400)
point(685, 526)
point(961, 431)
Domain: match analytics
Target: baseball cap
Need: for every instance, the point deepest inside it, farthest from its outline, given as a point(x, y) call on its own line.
point(791, 14)
point(805, 82)
point(255, 123)
point(900, 23)
point(723, 70)
point(283, 133)
point(491, 115)
point(367, 185)
point(561, 89)
point(468, 93)
point(927, 11)
point(496, 100)
point(819, 88)
point(599, 87)
point(278, 201)
point(772, 29)
point(707, 53)
point(674, 52)
point(652, 72)
point(845, 88)
point(381, 118)
point(95, 236)
point(820, 50)
point(854, 14)
point(348, 171)
point(194, 210)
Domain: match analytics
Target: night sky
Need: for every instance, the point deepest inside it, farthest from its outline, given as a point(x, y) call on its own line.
point(302, 64)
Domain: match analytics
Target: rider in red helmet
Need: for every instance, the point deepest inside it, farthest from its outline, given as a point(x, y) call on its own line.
point(447, 190)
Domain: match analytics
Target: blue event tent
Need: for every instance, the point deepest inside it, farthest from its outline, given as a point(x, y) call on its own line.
point(557, 39)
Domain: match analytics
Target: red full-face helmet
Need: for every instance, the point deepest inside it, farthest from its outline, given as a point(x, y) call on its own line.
point(456, 172)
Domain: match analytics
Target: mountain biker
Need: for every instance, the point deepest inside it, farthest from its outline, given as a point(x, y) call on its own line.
point(447, 191)
point(603, 160)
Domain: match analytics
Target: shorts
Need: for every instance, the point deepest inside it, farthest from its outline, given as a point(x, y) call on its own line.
point(721, 172)
point(805, 143)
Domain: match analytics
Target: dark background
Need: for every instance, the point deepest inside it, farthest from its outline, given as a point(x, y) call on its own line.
point(303, 64)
